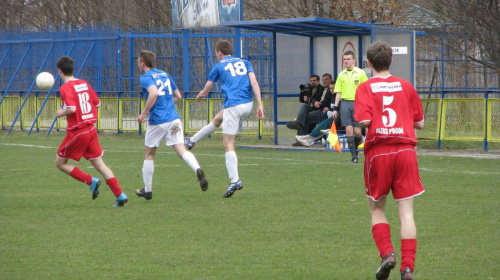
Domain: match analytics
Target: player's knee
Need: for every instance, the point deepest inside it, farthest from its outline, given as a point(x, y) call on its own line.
point(217, 122)
point(59, 164)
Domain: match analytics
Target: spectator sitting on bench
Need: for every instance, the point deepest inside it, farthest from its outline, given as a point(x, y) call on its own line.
point(322, 127)
point(315, 111)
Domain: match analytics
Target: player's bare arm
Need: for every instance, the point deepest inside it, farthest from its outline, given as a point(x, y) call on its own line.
point(418, 125)
point(205, 91)
point(153, 96)
point(177, 96)
point(257, 94)
point(336, 105)
point(61, 112)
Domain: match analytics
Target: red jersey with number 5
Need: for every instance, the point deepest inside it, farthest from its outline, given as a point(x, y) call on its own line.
point(78, 93)
point(392, 105)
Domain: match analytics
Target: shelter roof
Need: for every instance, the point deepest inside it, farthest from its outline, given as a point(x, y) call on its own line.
point(309, 27)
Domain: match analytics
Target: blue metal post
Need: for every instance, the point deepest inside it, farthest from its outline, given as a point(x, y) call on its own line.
point(185, 70)
point(241, 11)
point(237, 43)
point(442, 90)
point(15, 73)
point(185, 59)
point(485, 145)
point(29, 91)
point(131, 66)
point(275, 89)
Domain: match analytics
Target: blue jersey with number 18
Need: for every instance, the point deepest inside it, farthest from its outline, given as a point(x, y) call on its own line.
point(164, 109)
point(235, 84)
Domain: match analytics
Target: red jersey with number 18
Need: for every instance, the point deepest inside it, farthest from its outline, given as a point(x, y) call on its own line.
point(78, 93)
point(392, 105)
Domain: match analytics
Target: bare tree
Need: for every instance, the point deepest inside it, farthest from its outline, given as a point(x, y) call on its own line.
point(376, 11)
point(391, 11)
point(125, 13)
point(262, 9)
point(471, 29)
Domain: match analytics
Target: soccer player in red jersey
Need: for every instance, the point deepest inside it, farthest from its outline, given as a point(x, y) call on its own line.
point(391, 110)
point(80, 103)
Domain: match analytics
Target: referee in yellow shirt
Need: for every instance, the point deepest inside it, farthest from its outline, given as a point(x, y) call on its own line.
point(345, 87)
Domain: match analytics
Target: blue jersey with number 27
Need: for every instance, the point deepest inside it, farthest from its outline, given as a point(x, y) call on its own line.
point(235, 84)
point(164, 109)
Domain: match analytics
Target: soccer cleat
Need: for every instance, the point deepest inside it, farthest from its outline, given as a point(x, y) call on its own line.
point(143, 193)
point(189, 144)
point(294, 125)
point(201, 178)
point(354, 160)
point(121, 200)
point(407, 274)
point(387, 264)
point(94, 187)
point(238, 185)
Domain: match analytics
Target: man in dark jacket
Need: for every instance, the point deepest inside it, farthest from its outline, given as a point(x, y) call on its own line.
point(313, 112)
point(310, 92)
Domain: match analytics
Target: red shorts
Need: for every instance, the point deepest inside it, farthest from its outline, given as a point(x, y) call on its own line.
point(392, 167)
point(79, 143)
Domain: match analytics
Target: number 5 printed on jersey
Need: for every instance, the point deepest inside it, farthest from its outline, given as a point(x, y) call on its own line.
point(391, 117)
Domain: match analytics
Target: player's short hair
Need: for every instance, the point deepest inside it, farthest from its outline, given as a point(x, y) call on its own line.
point(351, 53)
point(148, 57)
point(315, 76)
point(380, 55)
point(225, 47)
point(66, 64)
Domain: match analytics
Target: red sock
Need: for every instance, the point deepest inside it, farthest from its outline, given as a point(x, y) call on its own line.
point(408, 251)
point(114, 186)
point(80, 176)
point(382, 236)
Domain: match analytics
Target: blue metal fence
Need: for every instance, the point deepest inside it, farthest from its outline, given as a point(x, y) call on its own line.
point(106, 58)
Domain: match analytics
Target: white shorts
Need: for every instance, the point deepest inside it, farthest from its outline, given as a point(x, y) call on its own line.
point(170, 131)
point(232, 115)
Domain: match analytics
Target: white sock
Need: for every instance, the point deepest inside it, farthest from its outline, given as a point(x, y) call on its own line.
point(147, 174)
point(189, 158)
point(204, 132)
point(232, 166)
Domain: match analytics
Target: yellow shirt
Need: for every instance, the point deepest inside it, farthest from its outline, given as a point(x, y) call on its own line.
point(348, 81)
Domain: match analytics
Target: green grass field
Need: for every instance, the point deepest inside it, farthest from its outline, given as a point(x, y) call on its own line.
point(301, 215)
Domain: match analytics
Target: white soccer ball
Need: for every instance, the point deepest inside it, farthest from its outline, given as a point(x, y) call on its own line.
point(44, 81)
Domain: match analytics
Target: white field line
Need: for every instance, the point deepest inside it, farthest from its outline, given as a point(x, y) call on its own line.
point(263, 161)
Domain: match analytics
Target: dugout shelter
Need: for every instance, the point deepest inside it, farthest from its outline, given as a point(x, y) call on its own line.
point(306, 46)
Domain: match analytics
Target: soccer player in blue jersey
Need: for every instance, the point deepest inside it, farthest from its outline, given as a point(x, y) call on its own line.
point(164, 122)
point(237, 83)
